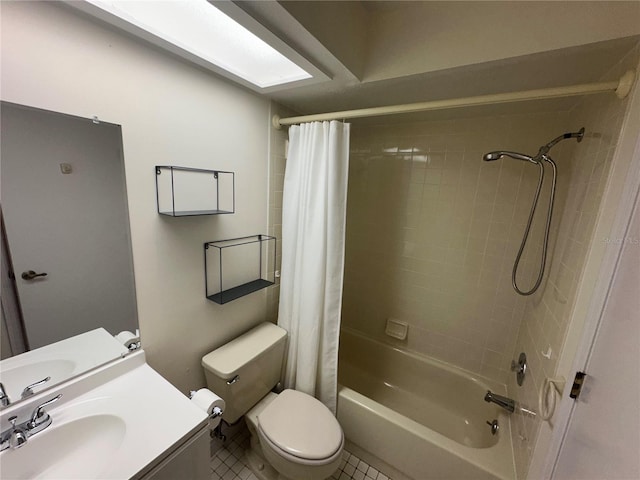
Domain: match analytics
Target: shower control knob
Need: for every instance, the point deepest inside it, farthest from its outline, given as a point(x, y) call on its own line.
point(520, 368)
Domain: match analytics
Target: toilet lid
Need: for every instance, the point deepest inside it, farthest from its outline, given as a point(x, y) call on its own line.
point(301, 426)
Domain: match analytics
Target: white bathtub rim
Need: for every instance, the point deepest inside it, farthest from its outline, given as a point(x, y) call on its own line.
point(476, 378)
point(469, 454)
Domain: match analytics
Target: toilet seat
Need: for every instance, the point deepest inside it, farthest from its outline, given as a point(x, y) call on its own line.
point(301, 429)
point(266, 443)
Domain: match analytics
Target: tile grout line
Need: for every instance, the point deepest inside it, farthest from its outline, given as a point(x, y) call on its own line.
point(228, 462)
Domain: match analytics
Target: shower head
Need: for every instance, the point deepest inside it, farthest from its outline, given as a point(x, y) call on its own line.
point(542, 153)
point(492, 156)
point(545, 148)
point(499, 154)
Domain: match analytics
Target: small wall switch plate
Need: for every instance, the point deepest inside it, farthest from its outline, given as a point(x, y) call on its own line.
point(397, 328)
point(66, 168)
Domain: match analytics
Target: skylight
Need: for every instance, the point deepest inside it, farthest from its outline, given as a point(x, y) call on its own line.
point(201, 29)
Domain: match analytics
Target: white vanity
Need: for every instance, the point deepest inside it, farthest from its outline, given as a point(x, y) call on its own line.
point(122, 420)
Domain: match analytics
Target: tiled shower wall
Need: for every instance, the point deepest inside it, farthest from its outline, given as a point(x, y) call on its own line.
point(547, 313)
point(432, 232)
point(277, 162)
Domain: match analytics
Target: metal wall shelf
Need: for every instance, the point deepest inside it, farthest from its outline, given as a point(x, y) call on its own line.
point(185, 192)
point(239, 266)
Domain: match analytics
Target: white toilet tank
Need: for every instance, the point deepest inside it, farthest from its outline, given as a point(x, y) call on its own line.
point(246, 369)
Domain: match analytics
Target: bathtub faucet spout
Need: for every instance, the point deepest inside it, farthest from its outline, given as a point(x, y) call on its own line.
point(504, 402)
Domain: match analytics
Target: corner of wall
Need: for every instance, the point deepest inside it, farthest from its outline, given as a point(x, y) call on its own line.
point(278, 140)
point(599, 168)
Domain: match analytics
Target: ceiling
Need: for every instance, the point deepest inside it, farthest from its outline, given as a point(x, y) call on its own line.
point(384, 53)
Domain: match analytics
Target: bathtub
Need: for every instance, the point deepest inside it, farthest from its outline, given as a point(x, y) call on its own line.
point(425, 418)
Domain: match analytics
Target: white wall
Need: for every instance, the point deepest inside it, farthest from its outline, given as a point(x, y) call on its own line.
point(431, 36)
point(171, 113)
point(340, 26)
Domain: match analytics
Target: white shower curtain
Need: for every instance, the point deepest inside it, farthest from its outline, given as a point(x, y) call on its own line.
point(313, 230)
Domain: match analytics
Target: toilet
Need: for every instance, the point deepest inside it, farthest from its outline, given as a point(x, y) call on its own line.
point(293, 435)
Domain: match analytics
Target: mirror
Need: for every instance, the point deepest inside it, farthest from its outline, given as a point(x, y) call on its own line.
point(68, 295)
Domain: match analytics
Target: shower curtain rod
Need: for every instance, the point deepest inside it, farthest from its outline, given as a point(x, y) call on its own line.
point(621, 88)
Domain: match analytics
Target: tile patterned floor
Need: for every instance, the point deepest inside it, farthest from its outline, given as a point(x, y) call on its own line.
point(351, 467)
point(228, 463)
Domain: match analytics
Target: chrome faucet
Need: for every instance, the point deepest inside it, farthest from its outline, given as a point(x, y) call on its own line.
point(17, 435)
point(28, 390)
point(4, 398)
point(508, 404)
point(5, 401)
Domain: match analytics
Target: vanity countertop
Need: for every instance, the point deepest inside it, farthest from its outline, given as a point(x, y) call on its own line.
point(60, 361)
point(116, 422)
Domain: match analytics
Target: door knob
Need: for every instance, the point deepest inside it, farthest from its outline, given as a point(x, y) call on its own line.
point(30, 275)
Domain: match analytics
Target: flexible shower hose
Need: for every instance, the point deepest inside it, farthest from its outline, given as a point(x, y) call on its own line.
point(543, 259)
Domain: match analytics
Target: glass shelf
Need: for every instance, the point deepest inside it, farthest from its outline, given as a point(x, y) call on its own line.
point(185, 192)
point(239, 266)
point(239, 291)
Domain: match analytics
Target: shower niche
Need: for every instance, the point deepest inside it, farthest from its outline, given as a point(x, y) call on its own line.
point(237, 267)
point(186, 192)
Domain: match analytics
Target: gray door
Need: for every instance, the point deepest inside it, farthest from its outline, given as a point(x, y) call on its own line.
point(603, 439)
point(65, 212)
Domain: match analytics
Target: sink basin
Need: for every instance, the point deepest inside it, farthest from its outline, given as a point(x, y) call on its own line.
point(18, 377)
point(117, 421)
point(60, 361)
point(78, 449)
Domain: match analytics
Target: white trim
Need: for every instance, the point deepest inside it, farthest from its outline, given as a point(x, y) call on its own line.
point(621, 87)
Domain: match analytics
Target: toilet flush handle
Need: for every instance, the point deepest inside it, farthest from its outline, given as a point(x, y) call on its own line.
point(233, 380)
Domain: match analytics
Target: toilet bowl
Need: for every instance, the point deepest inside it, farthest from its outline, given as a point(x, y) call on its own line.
point(297, 437)
point(293, 435)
